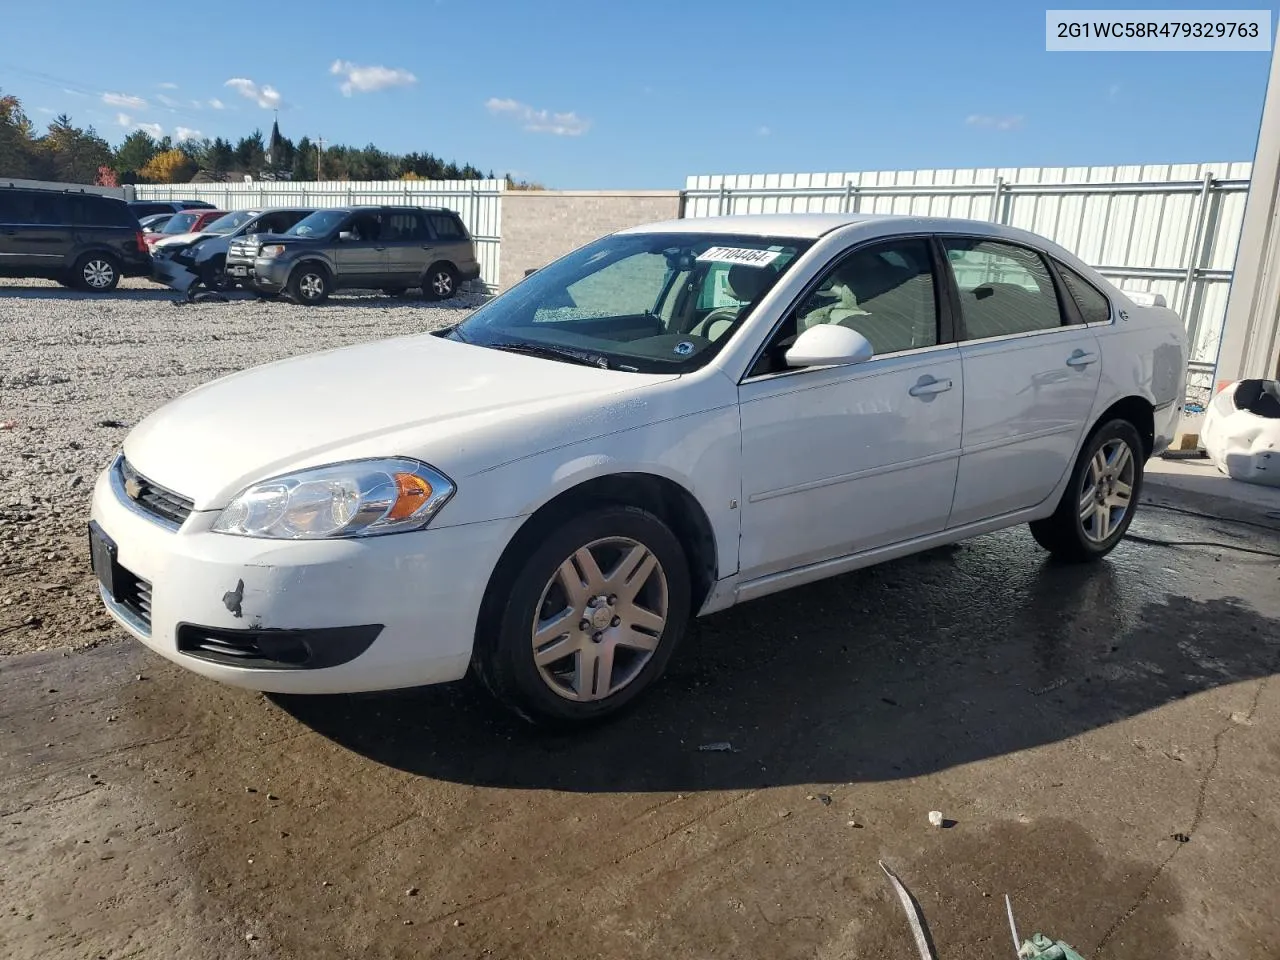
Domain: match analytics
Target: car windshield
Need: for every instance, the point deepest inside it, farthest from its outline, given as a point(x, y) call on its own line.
point(645, 302)
point(181, 223)
point(230, 222)
point(318, 224)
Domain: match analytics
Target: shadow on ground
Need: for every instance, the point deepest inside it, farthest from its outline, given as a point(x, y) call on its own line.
point(364, 299)
point(897, 671)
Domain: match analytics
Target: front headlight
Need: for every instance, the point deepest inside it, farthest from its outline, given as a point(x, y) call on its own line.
point(360, 498)
point(271, 250)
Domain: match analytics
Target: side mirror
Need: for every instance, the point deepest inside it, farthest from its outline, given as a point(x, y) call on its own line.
point(829, 345)
point(346, 236)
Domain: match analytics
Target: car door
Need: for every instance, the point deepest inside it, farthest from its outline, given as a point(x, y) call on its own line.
point(361, 256)
point(406, 240)
point(838, 460)
point(1031, 375)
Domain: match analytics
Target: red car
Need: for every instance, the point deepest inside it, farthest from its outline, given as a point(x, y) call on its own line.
point(185, 221)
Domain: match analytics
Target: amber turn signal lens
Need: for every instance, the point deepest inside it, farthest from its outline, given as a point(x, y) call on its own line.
point(413, 492)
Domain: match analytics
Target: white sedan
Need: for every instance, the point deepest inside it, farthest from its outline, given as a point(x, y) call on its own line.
point(666, 422)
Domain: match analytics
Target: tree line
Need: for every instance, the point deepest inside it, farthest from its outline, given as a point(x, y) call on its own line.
point(75, 154)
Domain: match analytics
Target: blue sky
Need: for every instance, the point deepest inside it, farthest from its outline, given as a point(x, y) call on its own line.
point(587, 95)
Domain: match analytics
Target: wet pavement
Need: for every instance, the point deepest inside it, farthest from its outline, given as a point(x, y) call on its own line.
point(1102, 740)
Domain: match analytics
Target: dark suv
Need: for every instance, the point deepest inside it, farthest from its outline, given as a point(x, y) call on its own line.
point(381, 248)
point(78, 238)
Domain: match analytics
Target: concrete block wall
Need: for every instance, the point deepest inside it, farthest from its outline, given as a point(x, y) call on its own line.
point(540, 225)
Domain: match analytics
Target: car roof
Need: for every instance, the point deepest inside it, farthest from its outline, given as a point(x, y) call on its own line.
point(811, 226)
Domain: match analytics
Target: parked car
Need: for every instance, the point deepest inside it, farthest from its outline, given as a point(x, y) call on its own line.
point(182, 259)
point(186, 221)
point(80, 239)
point(146, 208)
point(154, 223)
point(668, 421)
point(382, 248)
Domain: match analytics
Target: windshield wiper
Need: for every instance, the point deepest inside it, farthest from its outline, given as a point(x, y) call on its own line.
point(550, 353)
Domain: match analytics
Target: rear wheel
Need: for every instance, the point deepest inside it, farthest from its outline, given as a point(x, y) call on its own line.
point(309, 284)
point(1097, 506)
point(440, 282)
point(96, 272)
point(580, 625)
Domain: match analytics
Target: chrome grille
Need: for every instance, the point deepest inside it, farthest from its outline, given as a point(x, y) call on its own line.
point(151, 498)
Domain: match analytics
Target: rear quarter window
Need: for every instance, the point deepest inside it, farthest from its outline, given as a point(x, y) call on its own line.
point(446, 227)
point(1093, 306)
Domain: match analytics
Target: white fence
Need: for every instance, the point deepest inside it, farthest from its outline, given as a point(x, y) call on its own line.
point(478, 202)
point(1169, 228)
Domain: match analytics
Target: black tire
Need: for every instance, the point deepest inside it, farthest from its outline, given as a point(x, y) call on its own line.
point(214, 273)
point(1065, 534)
point(96, 272)
point(263, 295)
point(523, 586)
point(309, 284)
point(394, 291)
point(440, 282)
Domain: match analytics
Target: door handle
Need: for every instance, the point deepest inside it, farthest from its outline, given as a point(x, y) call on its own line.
point(1081, 359)
point(928, 387)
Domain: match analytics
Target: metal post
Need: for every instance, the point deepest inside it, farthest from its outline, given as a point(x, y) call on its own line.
point(997, 198)
point(682, 208)
point(724, 193)
point(1195, 253)
point(848, 197)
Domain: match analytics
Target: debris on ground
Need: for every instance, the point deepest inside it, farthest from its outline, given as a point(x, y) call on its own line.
point(8, 424)
point(720, 746)
point(935, 818)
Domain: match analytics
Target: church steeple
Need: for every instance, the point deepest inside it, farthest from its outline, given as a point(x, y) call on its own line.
point(274, 143)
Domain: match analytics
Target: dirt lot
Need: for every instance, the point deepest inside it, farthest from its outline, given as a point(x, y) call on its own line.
point(1102, 741)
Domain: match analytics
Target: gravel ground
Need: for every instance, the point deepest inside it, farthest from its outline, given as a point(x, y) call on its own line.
point(78, 370)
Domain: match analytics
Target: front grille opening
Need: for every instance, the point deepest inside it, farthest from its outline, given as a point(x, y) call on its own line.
point(150, 497)
point(134, 594)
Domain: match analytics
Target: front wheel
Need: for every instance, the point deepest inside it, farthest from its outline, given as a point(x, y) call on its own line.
point(96, 272)
point(440, 282)
point(1097, 506)
point(578, 627)
point(309, 285)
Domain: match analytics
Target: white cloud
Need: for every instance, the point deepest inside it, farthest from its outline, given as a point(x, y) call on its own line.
point(994, 123)
point(154, 129)
point(539, 121)
point(123, 100)
point(186, 133)
point(266, 96)
point(167, 101)
point(48, 110)
point(167, 86)
point(124, 120)
point(368, 79)
point(763, 131)
point(217, 104)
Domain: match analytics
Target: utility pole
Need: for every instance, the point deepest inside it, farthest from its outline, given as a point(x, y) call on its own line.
point(319, 156)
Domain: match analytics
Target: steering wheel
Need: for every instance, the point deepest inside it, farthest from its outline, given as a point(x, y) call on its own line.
point(703, 327)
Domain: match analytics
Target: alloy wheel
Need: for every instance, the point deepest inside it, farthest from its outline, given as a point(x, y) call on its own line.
point(1106, 490)
point(600, 618)
point(442, 284)
point(311, 286)
point(98, 274)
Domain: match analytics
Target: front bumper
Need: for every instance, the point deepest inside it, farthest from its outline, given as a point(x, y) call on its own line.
point(171, 273)
point(270, 275)
point(423, 589)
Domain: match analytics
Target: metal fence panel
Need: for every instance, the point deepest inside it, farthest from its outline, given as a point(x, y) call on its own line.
point(1165, 228)
point(478, 202)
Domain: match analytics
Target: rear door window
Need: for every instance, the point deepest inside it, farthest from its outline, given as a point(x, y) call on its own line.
point(403, 227)
point(1004, 289)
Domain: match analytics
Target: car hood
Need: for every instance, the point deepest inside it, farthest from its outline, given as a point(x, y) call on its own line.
point(460, 407)
point(179, 239)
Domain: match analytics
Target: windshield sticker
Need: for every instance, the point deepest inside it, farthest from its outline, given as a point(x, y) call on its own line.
point(684, 348)
point(743, 255)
